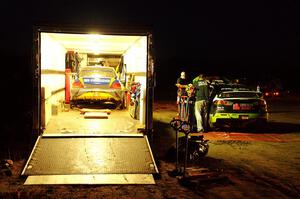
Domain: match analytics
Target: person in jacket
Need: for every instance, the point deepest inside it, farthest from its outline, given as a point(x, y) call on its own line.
point(201, 86)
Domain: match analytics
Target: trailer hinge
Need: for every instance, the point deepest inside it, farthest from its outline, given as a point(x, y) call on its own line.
point(36, 73)
point(142, 130)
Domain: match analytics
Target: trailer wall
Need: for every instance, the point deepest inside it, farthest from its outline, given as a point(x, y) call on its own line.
point(52, 77)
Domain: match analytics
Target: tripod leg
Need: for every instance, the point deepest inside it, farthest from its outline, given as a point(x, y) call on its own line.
point(177, 151)
point(186, 153)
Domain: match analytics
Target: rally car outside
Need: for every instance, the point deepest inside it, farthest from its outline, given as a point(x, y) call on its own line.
point(236, 105)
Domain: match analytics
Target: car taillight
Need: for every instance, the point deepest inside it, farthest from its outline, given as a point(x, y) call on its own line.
point(77, 84)
point(267, 94)
point(223, 102)
point(116, 85)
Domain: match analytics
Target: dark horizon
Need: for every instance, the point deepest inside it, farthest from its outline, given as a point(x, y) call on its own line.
point(258, 40)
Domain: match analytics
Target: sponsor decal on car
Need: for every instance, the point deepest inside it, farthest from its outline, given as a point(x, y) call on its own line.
point(98, 81)
point(220, 108)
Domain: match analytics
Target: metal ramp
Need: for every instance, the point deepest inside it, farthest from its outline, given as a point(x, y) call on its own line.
point(91, 159)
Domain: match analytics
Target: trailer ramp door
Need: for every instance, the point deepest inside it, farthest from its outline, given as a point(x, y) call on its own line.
point(91, 159)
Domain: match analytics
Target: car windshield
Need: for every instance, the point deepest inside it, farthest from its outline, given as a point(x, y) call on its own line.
point(238, 95)
point(99, 72)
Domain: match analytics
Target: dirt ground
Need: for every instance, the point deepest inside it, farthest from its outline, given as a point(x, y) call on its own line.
point(255, 164)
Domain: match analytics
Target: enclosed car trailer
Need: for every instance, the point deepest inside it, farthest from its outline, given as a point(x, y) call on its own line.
point(71, 148)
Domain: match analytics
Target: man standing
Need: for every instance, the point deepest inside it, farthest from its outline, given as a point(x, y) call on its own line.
point(181, 85)
point(202, 96)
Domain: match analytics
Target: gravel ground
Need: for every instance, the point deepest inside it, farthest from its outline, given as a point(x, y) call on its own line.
point(239, 169)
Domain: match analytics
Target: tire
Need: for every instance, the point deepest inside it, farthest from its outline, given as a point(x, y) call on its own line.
point(122, 104)
point(72, 105)
point(261, 124)
point(198, 151)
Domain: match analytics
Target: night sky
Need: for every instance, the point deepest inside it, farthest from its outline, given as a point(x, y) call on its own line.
point(255, 39)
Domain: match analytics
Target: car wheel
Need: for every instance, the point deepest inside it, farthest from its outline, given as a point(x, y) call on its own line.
point(121, 105)
point(261, 124)
point(211, 126)
point(72, 105)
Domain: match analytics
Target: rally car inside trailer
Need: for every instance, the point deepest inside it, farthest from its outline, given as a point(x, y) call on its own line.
point(72, 72)
point(82, 76)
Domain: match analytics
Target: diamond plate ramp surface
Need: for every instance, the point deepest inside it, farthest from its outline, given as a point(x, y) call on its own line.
point(91, 155)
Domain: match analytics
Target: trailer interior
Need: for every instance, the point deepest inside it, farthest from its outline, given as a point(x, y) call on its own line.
point(60, 51)
point(91, 141)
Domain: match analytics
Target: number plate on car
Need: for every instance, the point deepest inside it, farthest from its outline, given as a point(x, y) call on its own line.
point(244, 117)
point(246, 106)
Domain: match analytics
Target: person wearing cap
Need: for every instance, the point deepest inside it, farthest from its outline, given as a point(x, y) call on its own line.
point(181, 84)
point(201, 86)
